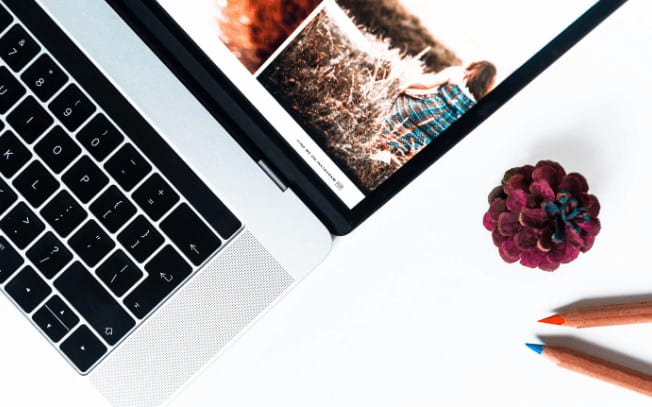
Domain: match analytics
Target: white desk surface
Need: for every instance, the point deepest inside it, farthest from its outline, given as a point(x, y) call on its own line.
point(415, 308)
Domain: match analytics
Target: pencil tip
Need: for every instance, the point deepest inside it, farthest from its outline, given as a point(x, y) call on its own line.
point(554, 320)
point(536, 348)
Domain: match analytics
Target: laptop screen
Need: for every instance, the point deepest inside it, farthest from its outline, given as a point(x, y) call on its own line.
point(359, 87)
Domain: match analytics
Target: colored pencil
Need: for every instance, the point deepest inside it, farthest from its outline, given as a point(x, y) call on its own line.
point(603, 315)
point(595, 367)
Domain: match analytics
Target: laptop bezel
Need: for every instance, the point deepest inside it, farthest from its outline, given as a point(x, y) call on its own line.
point(248, 126)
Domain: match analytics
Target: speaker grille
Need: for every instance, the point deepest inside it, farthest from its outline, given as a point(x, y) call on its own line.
point(193, 326)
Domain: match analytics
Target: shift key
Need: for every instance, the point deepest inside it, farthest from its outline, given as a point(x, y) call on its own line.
point(94, 303)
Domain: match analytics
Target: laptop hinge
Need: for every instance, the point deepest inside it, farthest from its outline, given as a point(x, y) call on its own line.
point(270, 173)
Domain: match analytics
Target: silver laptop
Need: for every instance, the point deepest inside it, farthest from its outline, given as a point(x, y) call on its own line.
point(170, 168)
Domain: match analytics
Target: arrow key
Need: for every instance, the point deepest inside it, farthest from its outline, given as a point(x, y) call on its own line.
point(28, 289)
point(83, 348)
point(63, 312)
point(50, 324)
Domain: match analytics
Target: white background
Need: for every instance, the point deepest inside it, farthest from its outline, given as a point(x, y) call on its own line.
point(415, 308)
point(505, 32)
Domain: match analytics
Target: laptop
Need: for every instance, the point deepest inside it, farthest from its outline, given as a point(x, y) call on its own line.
point(170, 169)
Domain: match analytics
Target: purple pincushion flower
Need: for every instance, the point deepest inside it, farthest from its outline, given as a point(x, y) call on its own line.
point(542, 216)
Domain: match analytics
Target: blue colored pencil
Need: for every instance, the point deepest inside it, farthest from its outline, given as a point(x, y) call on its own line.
point(595, 367)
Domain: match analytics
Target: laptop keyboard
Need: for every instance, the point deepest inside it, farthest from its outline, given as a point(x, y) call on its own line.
point(93, 236)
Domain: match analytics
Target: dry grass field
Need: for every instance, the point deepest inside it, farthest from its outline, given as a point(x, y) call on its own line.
point(341, 93)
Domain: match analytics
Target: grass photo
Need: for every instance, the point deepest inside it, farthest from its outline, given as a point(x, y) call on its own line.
point(341, 76)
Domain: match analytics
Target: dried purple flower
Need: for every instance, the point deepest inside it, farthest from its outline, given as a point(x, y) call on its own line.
point(542, 216)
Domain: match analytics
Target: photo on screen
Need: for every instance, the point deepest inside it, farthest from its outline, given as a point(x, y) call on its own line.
point(373, 85)
point(359, 87)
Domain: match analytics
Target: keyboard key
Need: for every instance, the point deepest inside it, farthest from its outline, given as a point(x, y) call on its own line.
point(94, 303)
point(119, 273)
point(44, 77)
point(10, 260)
point(83, 348)
point(91, 243)
point(13, 154)
point(55, 318)
point(155, 197)
point(63, 312)
point(36, 184)
point(29, 119)
point(222, 219)
point(113, 209)
point(21, 225)
point(57, 149)
point(190, 234)
point(49, 255)
point(5, 18)
point(28, 289)
point(10, 90)
point(7, 197)
point(49, 324)
point(140, 238)
point(72, 107)
point(63, 213)
point(167, 270)
point(85, 179)
point(17, 48)
point(127, 167)
point(100, 137)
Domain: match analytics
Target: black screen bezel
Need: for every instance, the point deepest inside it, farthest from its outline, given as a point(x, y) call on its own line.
point(158, 29)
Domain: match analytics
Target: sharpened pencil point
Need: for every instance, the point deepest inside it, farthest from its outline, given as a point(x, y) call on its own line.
point(554, 320)
point(536, 348)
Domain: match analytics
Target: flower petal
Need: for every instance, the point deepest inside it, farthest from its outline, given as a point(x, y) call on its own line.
point(508, 224)
point(497, 207)
point(526, 239)
point(514, 183)
point(591, 228)
point(574, 183)
point(511, 173)
point(548, 265)
point(575, 239)
point(517, 200)
point(563, 253)
point(545, 243)
point(497, 238)
point(542, 191)
point(589, 240)
point(487, 222)
point(509, 252)
point(497, 193)
point(591, 204)
point(534, 217)
point(548, 173)
point(532, 258)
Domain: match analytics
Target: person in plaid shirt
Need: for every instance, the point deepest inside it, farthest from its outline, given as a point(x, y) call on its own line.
point(423, 110)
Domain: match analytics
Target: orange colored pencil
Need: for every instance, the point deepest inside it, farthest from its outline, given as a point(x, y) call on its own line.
point(595, 367)
point(603, 315)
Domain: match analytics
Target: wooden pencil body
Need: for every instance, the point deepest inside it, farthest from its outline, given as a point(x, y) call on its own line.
point(612, 314)
point(601, 369)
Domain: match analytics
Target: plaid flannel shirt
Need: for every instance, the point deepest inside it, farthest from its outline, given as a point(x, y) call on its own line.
point(416, 120)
